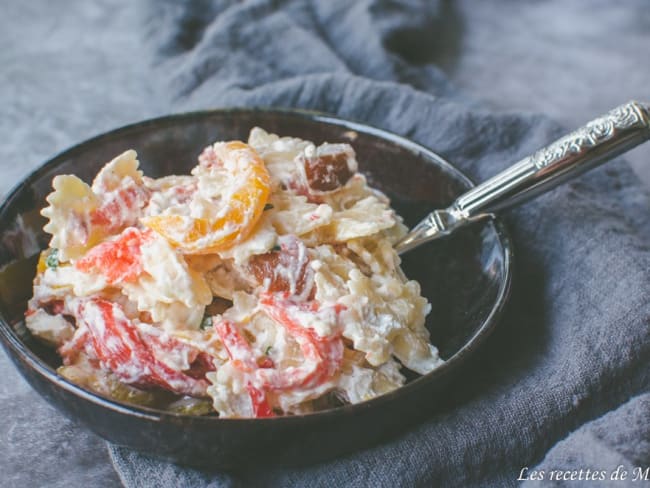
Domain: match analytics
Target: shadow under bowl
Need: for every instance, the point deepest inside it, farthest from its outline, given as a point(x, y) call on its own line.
point(466, 278)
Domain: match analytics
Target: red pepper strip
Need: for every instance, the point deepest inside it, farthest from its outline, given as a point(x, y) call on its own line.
point(74, 346)
point(242, 358)
point(326, 353)
point(238, 348)
point(304, 376)
point(120, 208)
point(241, 355)
point(166, 344)
point(120, 348)
point(261, 406)
point(117, 260)
point(200, 362)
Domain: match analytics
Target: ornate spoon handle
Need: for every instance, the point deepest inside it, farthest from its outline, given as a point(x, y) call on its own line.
point(597, 142)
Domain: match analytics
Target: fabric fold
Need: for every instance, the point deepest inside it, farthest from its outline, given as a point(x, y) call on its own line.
point(574, 341)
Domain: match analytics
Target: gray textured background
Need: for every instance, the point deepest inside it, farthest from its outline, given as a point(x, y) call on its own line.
point(70, 71)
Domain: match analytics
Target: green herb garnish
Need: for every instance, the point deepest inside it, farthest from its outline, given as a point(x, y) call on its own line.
point(276, 248)
point(268, 206)
point(206, 322)
point(52, 259)
point(268, 349)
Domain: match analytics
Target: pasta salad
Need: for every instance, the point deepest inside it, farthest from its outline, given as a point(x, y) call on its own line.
point(263, 283)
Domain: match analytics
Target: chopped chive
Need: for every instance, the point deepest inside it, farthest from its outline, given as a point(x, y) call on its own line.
point(268, 349)
point(268, 206)
point(52, 260)
point(206, 322)
point(276, 248)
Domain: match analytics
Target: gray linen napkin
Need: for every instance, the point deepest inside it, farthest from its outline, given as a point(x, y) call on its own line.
point(574, 342)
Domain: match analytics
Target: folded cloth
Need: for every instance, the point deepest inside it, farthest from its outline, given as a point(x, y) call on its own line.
point(574, 342)
point(614, 448)
point(563, 382)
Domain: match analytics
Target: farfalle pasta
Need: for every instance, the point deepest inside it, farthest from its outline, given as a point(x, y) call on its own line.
point(264, 283)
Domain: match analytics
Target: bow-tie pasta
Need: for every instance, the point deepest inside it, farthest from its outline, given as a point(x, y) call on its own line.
point(263, 283)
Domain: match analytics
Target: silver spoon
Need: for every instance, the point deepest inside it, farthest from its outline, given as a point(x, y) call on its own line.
point(592, 145)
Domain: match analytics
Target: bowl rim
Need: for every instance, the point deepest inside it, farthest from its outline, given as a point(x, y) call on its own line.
point(12, 340)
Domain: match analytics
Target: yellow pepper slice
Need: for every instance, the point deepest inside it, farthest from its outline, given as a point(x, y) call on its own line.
point(194, 235)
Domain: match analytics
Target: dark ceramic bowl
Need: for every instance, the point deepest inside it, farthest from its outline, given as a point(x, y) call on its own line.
point(466, 278)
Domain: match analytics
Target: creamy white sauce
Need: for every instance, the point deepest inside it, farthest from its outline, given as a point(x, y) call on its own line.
point(344, 263)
